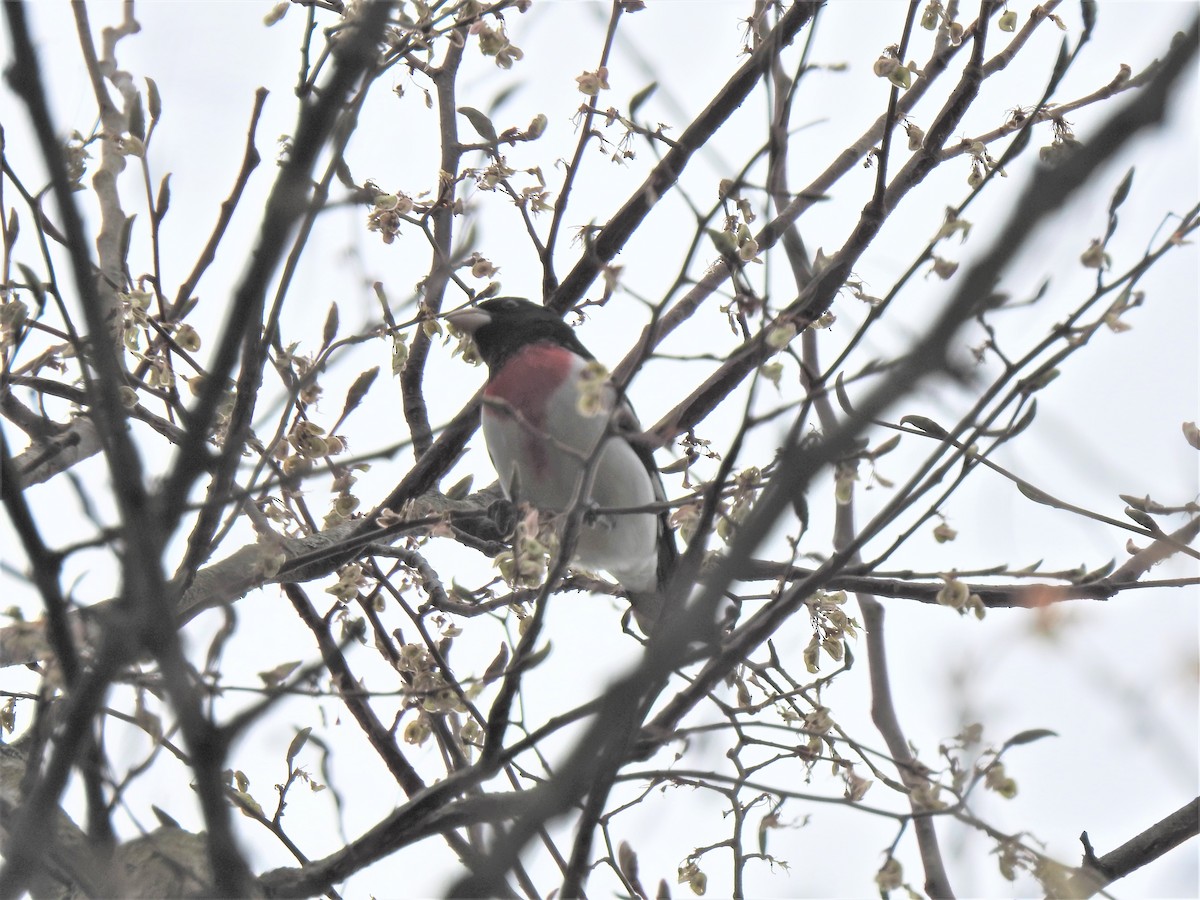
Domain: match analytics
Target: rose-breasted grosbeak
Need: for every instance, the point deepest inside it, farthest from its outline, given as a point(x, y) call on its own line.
point(547, 408)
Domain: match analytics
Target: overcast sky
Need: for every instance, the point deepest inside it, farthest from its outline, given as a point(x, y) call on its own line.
point(1119, 684)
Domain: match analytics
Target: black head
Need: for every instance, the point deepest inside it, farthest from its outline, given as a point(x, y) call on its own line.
point(503, 325)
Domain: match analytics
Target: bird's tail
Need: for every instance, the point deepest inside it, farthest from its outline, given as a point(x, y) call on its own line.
point(650, 608)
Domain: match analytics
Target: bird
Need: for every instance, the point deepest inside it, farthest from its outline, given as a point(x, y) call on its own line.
point(549, 410)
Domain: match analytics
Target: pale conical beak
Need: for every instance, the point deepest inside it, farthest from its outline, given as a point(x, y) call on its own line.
point(469, 319)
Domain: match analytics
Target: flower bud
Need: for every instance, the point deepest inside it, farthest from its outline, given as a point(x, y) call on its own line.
point(536, 127)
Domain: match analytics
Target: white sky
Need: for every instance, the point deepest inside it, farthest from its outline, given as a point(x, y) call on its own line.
point(1119, 685)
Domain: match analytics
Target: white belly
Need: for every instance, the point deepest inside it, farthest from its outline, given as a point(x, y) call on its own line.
point(544, 465)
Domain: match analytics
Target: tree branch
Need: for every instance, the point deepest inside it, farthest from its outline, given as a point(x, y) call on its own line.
point(1097, 873)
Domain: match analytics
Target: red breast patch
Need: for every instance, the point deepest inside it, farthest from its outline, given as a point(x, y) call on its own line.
point(526, 381)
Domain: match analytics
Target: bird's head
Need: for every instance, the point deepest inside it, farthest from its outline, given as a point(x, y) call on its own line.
point(503, 325)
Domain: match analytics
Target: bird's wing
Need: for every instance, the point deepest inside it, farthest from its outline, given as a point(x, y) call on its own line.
point(626, 425)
